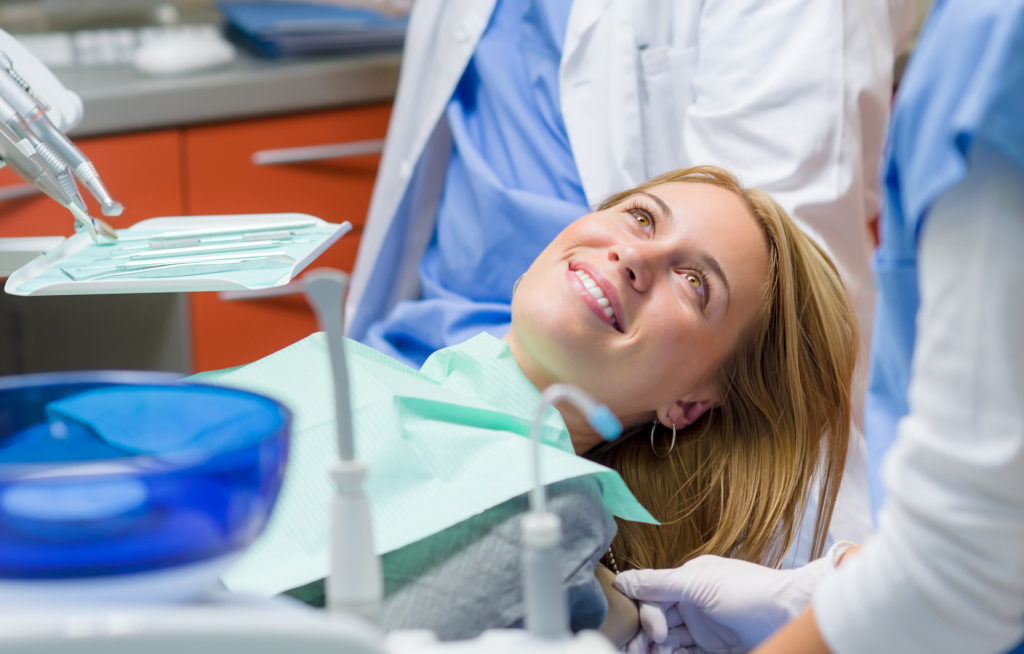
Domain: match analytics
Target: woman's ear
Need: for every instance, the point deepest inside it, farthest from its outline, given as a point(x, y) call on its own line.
point(684, 413)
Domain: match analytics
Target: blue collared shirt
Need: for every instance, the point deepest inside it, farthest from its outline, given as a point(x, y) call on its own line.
point(510, 188)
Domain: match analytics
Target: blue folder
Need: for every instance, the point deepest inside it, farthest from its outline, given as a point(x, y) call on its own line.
point(283, 29)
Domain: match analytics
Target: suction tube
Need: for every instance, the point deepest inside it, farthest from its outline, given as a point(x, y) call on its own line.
point(547, 605)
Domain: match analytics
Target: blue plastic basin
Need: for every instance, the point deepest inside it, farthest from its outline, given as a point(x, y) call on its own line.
point(112, 473)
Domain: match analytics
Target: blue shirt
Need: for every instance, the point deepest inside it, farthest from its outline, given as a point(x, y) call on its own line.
point(510, 188)
point(965, 81)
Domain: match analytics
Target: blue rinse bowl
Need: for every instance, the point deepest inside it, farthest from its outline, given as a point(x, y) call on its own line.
point(108, 474)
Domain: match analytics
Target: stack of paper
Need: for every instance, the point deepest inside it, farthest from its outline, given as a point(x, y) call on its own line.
point(281, 29)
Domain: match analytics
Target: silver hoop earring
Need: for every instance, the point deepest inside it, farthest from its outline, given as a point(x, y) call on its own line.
point(671, 446)
point(515, 284)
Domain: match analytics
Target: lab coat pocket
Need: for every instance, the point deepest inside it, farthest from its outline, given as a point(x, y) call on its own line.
point(666, 93)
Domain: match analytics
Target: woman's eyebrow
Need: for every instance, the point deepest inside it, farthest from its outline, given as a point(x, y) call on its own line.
point(662, 206)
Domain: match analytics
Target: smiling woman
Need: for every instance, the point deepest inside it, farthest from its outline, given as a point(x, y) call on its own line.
point(695, 305)
point(690, 304)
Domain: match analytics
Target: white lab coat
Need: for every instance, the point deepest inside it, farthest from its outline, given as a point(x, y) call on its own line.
point(792, 95)
point(945, 572)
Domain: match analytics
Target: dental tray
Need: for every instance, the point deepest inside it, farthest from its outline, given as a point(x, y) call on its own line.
point(181, 254)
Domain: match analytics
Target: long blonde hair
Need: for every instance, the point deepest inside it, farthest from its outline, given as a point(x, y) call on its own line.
point(739, 480)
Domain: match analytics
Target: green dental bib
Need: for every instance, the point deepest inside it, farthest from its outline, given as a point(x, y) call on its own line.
point(442, 444)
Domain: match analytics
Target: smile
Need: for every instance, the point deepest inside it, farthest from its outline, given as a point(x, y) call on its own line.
point(601, 304)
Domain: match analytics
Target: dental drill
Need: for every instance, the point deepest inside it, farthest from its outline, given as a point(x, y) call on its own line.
point(35, 108)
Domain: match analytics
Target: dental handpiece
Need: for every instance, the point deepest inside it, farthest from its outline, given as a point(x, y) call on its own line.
point(49, 138)
point(19, 152)
point(77, 161)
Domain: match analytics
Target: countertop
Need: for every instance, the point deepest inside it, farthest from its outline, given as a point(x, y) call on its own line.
point(120, 99)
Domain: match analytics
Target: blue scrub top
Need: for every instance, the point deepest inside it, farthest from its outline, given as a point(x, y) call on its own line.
point(965, 81)
point(510, 188)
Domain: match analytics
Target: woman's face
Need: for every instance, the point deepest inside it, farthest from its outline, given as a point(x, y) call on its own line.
point(640, 303)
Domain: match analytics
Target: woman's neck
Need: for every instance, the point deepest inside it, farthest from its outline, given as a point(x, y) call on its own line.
point(582, 435)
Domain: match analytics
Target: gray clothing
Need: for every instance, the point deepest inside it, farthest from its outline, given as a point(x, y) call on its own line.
point(466, 579)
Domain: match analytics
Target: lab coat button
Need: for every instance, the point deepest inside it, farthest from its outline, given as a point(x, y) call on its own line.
point(405, 170)
point(462, 33)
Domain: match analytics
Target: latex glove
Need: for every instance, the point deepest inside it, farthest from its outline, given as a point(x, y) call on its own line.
point(725, 605)
point(677, 640)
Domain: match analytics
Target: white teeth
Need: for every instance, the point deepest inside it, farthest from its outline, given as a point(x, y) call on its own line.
point(598, 294)
point(591, 286)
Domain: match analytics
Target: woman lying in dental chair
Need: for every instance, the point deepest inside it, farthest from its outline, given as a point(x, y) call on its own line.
point(718, 334)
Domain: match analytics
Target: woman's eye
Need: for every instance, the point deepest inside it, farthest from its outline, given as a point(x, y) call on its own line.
point(642, 217)
point(699, 283)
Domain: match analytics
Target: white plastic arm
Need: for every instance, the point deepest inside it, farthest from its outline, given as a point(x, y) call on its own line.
point(64, 107)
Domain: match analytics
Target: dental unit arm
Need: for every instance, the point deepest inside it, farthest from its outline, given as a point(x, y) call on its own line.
point(35, 111)
point(547, 604)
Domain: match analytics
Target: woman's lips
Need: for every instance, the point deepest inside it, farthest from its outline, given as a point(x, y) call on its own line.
point(596, 293)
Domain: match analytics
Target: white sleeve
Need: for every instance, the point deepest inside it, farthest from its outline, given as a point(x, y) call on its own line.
point(945, 570)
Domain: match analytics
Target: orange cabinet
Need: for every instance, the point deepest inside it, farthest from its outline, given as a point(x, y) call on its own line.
point(209, 169)
point(223, 178)
point(143, 171)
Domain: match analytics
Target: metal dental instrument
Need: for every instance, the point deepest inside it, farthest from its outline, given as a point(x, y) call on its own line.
point(36, 148)
point(180, 268)
point(121, 264)
point(19, 152)
point(213, 248)
point(279, 230)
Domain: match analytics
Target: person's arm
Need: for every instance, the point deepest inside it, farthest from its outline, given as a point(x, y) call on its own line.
point(938, 576)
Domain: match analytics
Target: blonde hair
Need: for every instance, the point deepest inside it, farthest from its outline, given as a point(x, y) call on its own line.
point(739, 480)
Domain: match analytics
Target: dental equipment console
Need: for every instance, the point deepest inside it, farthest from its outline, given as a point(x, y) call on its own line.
point(35, 111)
point(110, 615)
point(105, 614)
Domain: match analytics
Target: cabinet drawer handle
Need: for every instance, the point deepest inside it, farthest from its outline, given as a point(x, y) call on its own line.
point(317, 152)
point(18, 191)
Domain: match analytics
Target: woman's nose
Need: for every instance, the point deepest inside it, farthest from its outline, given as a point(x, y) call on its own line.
point(634, 263)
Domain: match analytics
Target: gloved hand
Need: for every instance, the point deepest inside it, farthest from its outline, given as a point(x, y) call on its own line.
point(724, 605)
point(677, 639)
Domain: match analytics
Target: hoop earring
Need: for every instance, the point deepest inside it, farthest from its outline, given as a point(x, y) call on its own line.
point(671, 446)
point(515, 284)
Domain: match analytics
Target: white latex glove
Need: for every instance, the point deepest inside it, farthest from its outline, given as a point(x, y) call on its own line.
point(677, 640)
point(723, 605)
